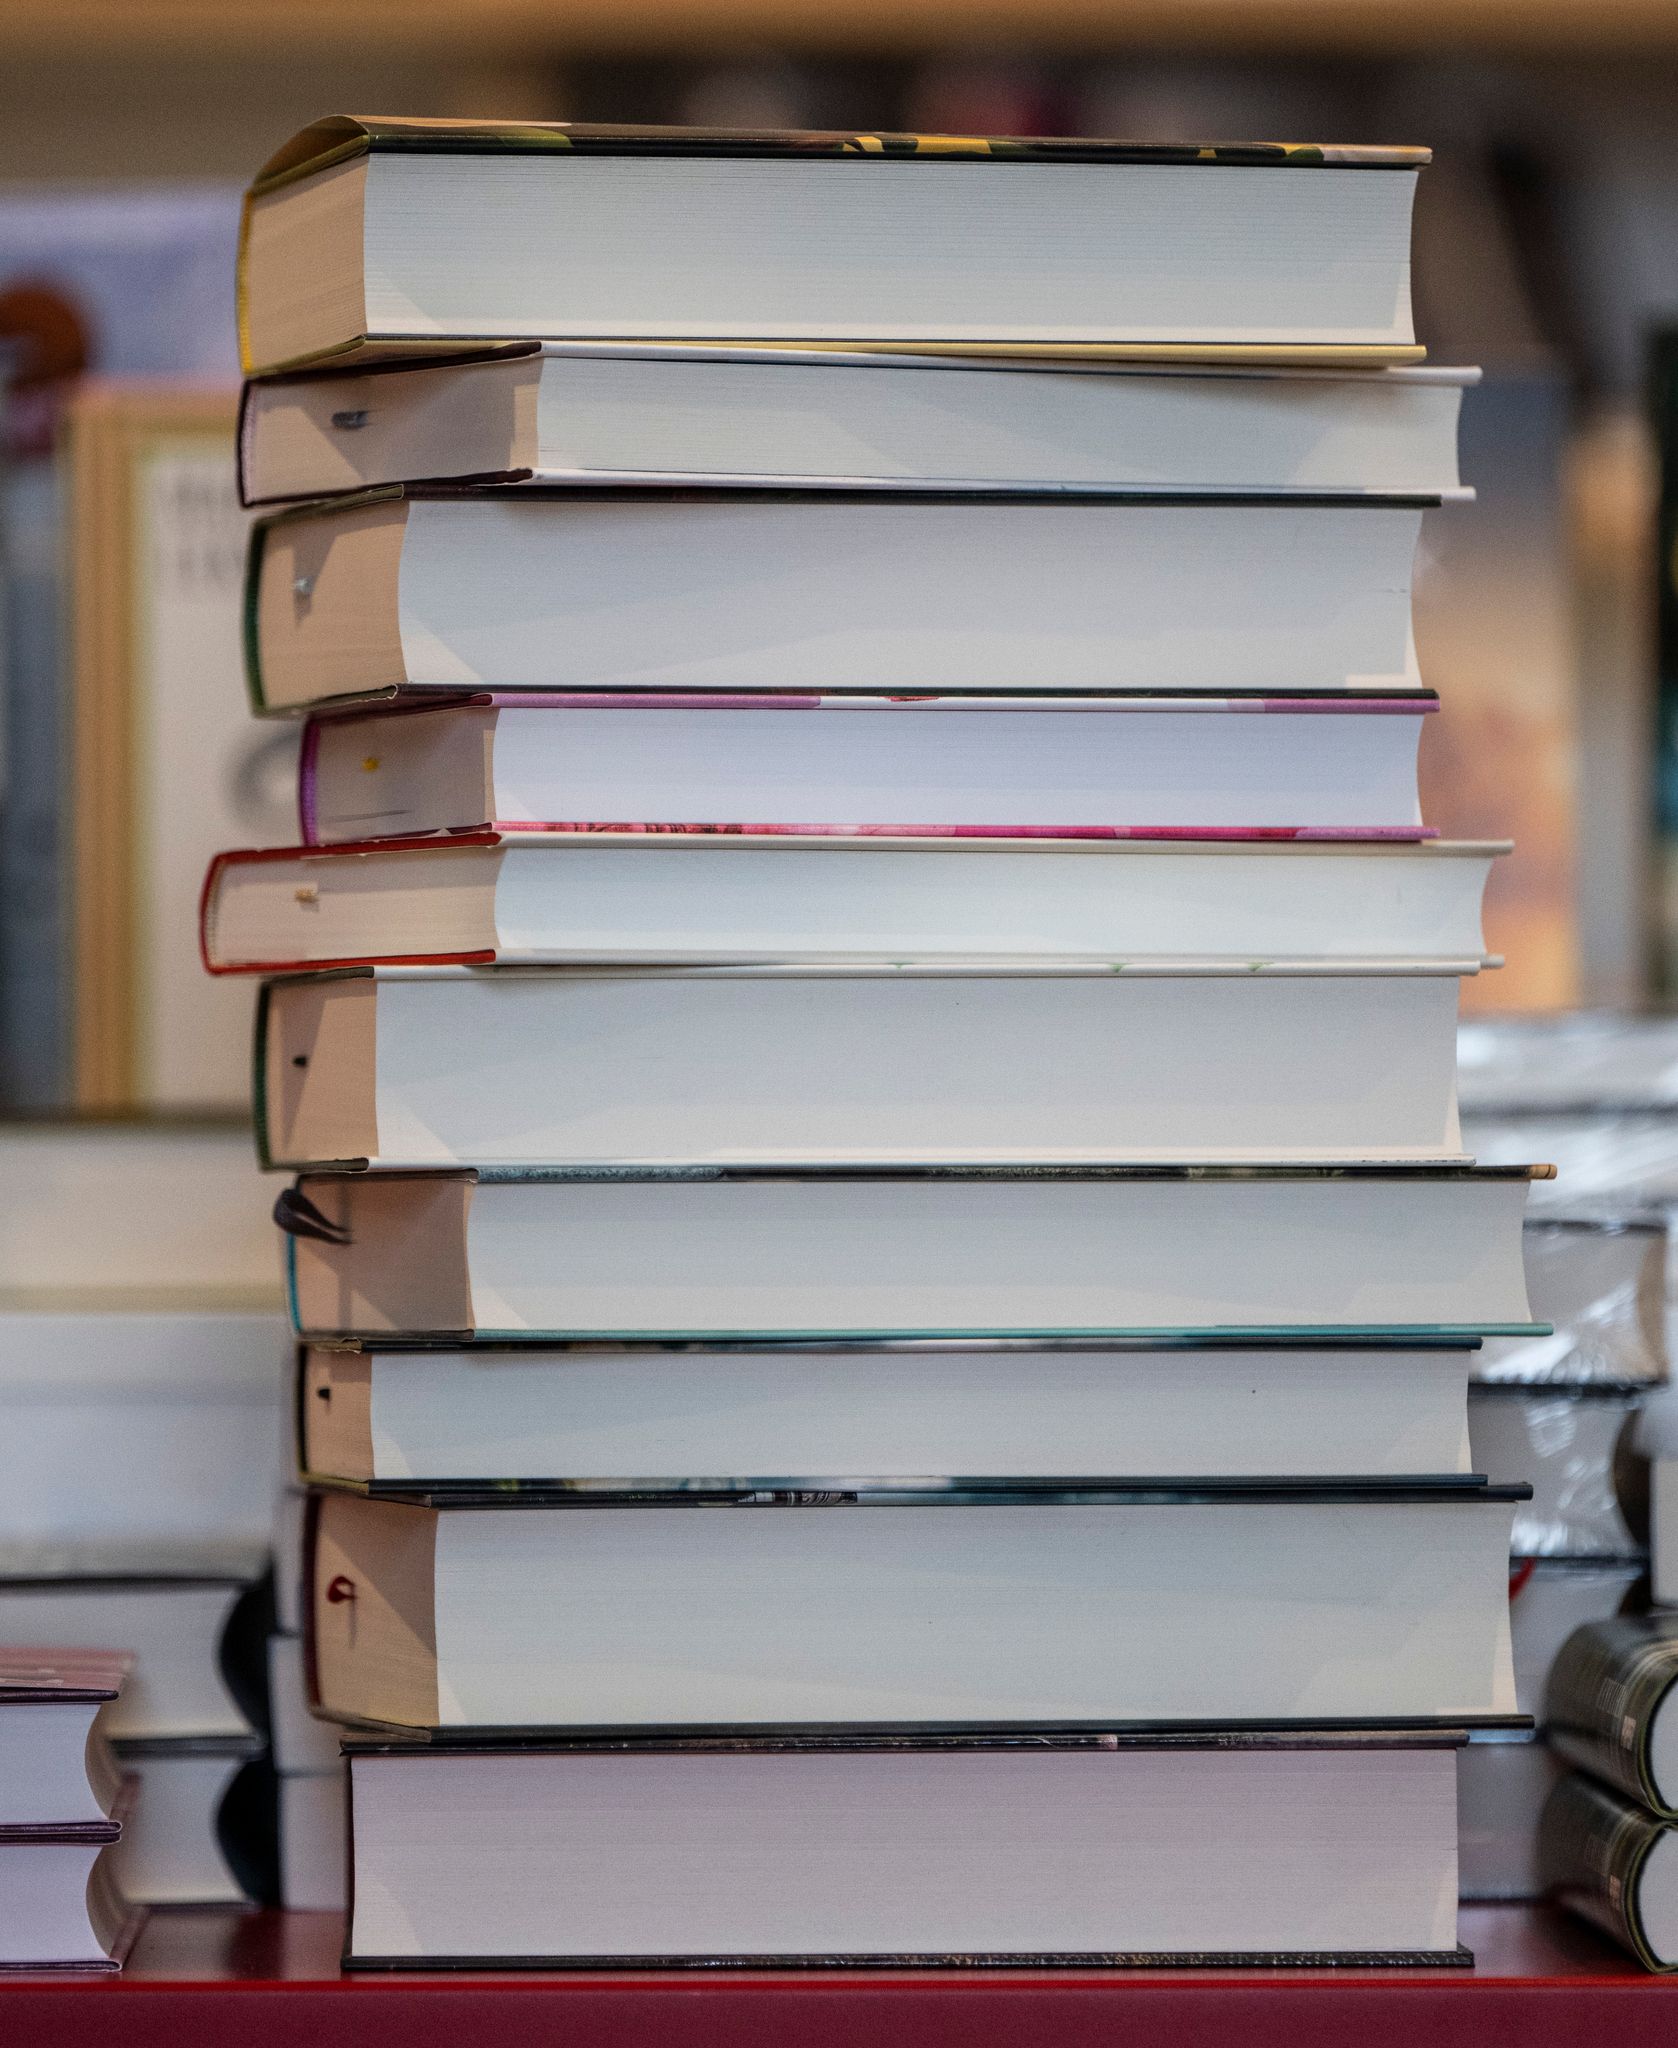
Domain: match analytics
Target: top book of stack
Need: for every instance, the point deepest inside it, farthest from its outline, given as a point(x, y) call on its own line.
point(390, 238)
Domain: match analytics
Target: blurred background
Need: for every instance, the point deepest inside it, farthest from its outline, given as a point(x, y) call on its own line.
point(1546, 250)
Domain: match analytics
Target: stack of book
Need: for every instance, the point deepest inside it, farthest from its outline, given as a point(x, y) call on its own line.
point(64, 1802)
point(142, 1349)
point(865, 1024)
point(1577, 1411)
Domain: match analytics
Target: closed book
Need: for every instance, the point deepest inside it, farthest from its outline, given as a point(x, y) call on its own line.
point(929, 765)
point(709, 899)
point(1615, 1864)
point(416, 592)
point(1610, 1710)
point(136, 1435)
point(190, 1637)
point(203, 1828)
point(887, 1609)
point(57, 1776)
point(1573, 1446)
point(602, 413)
point(427, 235)
point(62, 1906)
point(958, 1252)
point(456, 1067)
point(1600, 1283)
point(1299, 1850)
point(724, 1416)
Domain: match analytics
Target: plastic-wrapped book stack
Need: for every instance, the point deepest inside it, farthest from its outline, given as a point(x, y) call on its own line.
point(885, 1271)
point(1579, 1411)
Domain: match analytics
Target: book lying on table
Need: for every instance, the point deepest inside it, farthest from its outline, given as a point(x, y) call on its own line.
point(710, 899)
point(1614, 1863)
point(955, 1251)
point(64, 1804)
point(377, 235)
point(1299, 1849)
point(202, 1833)
point(192, 1639)
point(1611, 1706)
point(594, 412)
point(964, 1609)
point(852, 1064)
point(1100, 765)
point(746, 1415)
point(415, 591)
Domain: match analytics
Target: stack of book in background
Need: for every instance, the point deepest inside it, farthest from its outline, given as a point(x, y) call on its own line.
point(1579, 1411)
point(141, 1351)
point(886, 1271)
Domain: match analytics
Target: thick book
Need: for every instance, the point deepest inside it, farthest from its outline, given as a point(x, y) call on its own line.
point(366, 236)
point(928, 765)
point(412, 591)
point(1294, 1850)
point(726, 1417)
point(191, 1638)
point(1575, 1447)
point(959, 1252)
point(137, 1434)
point(1615, 1864)
point(62, 1906)
point(1610, 1705)
point(1095, 1608)
point(599, 413)
point(714, 899)
point(742, 1066)
point(202, 1832)
point(57, 1775)
point(1600, 1283)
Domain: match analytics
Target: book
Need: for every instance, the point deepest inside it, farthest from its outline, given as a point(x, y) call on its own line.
point(957, 1252)
point(1551, 1597)
point(973, 1610)
point(163, 767)
point(136, 1436)
point(1502, 1788)
point(602, 413)
point(61, 1907)
point(725, 1417)
point(1615, 1864)
point(1600, 1283)
point(1096, 766)
point(769, 1065)
point(64, 1803)
point(203, 1829)
point(413, 591)
point(1608, 1706)
point(365, 235)
point(167, 1218)
point(57, 1773)
point(1614, 1166)
point(314, 1842)
point(1574, 1446)
point(189, 1637)
point(1589, 1063)
point(711, 899)
point(1097, 1851)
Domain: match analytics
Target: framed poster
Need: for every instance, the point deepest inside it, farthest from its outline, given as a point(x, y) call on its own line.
point(168, 765)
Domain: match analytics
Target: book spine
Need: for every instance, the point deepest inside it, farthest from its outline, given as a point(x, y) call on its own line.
point(1591, 1849)
point(1605, 1688)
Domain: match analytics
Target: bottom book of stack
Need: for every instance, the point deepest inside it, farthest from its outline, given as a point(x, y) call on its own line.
point(923, 1849)
point(64, 1805)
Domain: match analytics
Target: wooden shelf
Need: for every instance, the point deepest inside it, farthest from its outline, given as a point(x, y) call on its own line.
point(480, 28)
point(271, 1980)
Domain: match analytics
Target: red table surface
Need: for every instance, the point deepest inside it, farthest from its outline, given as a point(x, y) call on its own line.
point(259, 1980)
